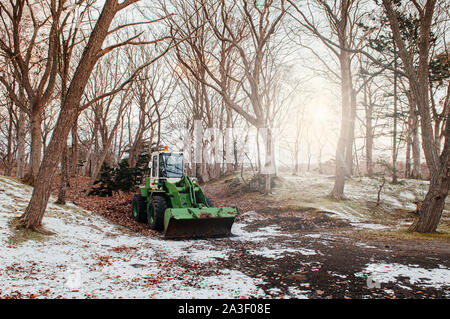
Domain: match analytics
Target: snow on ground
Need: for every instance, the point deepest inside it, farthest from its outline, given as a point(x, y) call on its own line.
point(89, 257)
point(255, 236)
point(230, 284)
point(369, 226)
point(408, 195)
point(363, 245)
point(297, 293)
point(277, 252)
point(390, 272)
point(361, 192)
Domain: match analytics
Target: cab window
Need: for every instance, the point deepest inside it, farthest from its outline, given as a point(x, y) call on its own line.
point(171, 165)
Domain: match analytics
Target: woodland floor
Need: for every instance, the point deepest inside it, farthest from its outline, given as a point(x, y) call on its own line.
point(295, 243)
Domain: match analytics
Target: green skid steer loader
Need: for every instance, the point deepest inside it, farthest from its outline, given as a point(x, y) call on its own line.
point(172, 202)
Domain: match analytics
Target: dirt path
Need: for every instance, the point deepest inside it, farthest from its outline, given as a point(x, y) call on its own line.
point(313, 255)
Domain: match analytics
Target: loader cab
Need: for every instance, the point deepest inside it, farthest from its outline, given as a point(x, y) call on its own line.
point(166, 165)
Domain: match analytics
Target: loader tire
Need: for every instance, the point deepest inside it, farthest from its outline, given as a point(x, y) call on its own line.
point(157, 208)
point(138, 209)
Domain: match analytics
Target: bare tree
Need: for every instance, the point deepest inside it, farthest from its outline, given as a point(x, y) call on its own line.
point(418, 77)
point(35, 61)
point(9, 122)
point(246, 29)
point(108, 111)
point(92, 52)
point(152, 91)
point(299, 119)
point(341, 39)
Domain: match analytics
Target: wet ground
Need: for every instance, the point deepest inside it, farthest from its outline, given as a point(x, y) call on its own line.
point(302, 256)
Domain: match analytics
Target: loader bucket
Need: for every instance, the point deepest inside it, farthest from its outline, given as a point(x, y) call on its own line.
point(198, 222)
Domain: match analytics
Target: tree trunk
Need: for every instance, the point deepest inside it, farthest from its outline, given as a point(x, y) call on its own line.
point(98, 165)
point(32, 218)
point(433, 204)
point(414, 138)
point(351, 129)
point(63, 182)
point(228, 147)
point(319, 160)
point(204, 165)
point(9, 161)
point(296, 166)
point(339, 181)
point(133, 153)
point(394, 135)
point(21, 134)
point(408, 151)
point(269, 164)
point(346, 125)
point(36, 148)
point(74, 151)
point(369, 132)
point(417, 72)
point(416, 168)
point(309, 162)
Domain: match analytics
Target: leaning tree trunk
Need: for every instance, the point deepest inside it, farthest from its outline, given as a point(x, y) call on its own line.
point(32, 218)
point(34, 213)
point(438, 165)
point(433, 204)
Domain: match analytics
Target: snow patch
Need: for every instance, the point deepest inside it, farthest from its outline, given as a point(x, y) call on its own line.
point(407, 195)
point(249, 216)
point(296, 293)
point(363, 245)
point(384, 273)
point(277, 253)
point(313, 235)
point(228, 284)
point(369, 226)
point(262, 234)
